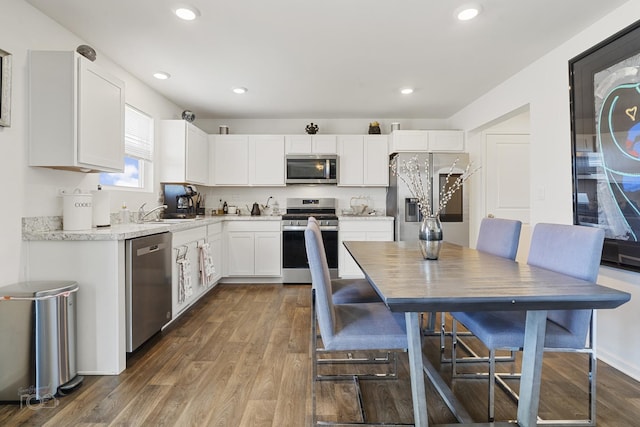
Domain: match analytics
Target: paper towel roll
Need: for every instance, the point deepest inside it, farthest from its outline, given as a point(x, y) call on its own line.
point(101, 208)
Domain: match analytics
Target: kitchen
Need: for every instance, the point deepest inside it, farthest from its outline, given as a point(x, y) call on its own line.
point(35, 190)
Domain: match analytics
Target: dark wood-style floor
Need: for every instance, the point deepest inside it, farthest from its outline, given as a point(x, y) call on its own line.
point(241, 357)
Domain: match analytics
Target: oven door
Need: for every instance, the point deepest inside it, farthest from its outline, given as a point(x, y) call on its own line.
point(295, 266)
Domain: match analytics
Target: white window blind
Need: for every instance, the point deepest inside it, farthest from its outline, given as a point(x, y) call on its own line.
point(138, 134)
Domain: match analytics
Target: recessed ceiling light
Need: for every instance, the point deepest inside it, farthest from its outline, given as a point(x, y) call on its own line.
point(161, 75)
point(240, 90)
point(468, 11)
point(187, 13)
point(406, 91)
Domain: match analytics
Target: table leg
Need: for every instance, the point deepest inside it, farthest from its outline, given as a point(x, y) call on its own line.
point(531, 368)
point(415, 366)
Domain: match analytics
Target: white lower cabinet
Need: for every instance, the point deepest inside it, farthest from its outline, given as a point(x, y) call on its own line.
point(214, 238)
point(253, 248)
point(186, 246)
point(362, 231)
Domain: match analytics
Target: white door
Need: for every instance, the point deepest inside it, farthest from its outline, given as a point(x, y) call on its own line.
point(508, 182)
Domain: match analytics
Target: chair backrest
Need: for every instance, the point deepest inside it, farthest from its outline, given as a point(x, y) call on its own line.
point(320, 280)
point(499, 237)
point(572, 250)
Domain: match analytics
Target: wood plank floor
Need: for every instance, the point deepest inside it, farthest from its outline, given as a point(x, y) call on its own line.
point(240, 357)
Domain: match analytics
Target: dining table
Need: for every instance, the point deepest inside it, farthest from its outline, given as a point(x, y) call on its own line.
point(464, 279)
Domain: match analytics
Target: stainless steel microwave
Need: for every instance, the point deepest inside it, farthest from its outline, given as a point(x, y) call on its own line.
point(312, 169)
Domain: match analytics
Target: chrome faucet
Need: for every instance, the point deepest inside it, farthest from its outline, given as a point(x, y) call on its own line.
point(142, 214)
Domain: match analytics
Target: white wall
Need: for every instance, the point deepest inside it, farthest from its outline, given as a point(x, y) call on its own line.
point(543, 86)
point(33, 191)
point(325, 126)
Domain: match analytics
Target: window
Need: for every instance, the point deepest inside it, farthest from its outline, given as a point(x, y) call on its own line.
point(138, 149)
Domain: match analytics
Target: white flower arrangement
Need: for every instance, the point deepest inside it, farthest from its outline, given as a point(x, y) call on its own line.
point(419, 183)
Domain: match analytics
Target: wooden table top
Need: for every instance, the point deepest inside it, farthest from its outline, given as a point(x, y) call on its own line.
point(464, 279)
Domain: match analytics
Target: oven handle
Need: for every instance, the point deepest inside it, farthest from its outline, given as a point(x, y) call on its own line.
point(304, 227)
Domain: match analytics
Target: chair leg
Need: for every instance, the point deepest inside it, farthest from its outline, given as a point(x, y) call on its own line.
point(492, 386)
point(355, 378)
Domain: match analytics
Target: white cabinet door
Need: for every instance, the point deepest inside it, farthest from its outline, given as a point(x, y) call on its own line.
point(267, 253)
point(266, 160)
point(298, 144)
point(214, 238)
point(76, 114)
point(197, 156)
point(359, 230)
point(347, 267)
point(324, 144)
point(350, 152)
point(240, 253)
point(376, 160)
point(186, 244)
point(409, 140)
point(230, 160)
point(100, 118)
point(364, 160)
point(184, 150)
point(311, 144)
point(446, 140)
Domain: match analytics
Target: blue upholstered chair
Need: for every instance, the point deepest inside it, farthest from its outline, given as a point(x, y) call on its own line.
point(348, 291)
point(346, 327)
point(500, 237)
point(567, 249)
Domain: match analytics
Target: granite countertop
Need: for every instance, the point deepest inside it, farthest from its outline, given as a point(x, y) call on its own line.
point(365, 218)
point(50, 228)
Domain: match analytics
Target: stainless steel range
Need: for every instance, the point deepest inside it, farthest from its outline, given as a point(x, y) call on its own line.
point(295, 267)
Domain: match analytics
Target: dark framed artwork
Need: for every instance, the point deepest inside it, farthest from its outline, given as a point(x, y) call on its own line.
point(5, 88)
point(605, 125)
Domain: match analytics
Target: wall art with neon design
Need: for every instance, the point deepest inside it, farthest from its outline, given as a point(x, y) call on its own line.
point(605, 112)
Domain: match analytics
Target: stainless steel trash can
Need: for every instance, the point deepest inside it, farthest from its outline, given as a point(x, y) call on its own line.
point(38, 329)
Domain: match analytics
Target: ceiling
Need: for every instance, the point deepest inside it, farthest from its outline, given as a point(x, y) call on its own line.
point(327, 59)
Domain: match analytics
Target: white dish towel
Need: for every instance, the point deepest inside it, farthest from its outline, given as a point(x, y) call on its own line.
point(185, 290)
point(207, 269)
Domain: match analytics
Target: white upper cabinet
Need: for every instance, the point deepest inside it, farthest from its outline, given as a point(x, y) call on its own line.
point(376, 160)
point(409, 140)
point(229, 160)
point(76, 114)
point(446, 140)
point(247, 160)
point(311, 144)
point(185, 153)
point(363, 160)
point(266, 160)
point(426, 140)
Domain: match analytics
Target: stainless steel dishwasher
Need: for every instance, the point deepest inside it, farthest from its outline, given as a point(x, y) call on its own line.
point(148, 286)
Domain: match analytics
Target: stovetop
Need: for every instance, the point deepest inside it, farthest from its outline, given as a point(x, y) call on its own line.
point(322, 209)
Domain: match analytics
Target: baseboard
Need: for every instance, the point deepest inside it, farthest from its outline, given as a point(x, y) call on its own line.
point(622, 365)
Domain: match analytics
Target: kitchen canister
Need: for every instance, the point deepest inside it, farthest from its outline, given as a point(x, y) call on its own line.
point(101, 208)
point(395, 126)
point(77, 210)
point(223, 129)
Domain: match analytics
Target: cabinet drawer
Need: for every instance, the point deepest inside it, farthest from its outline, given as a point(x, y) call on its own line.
point(186, 236)
point(214, 228)
point(253, 225)
point(364, 225)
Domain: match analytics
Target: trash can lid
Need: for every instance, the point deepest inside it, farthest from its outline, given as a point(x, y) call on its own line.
point(37, 289)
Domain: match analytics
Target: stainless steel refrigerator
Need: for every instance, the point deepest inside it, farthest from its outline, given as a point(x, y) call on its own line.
point(403, 207)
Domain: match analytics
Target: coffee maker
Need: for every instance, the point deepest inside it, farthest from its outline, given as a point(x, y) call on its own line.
point(181, 200)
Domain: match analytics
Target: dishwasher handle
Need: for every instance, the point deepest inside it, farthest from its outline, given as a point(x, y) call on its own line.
point(151, 249)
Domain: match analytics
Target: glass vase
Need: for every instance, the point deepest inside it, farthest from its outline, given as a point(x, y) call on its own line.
point(430, 237)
